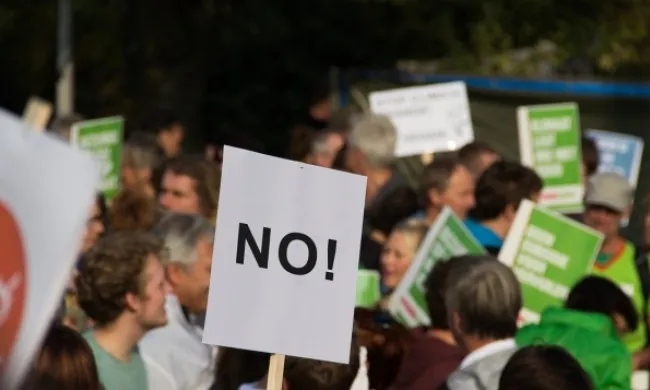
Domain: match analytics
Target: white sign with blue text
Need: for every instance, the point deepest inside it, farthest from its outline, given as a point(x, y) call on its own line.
point(285, 258)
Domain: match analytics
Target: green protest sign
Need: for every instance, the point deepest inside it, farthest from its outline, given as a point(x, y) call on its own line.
point(549, 142)
point(103, 139)
point(549, 253)
point(368, 294)
point(446, 238)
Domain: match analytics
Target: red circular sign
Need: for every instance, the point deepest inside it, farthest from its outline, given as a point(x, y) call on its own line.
point(13, 279)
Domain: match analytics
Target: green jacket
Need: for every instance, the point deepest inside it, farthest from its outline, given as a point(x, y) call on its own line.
point(591, 338)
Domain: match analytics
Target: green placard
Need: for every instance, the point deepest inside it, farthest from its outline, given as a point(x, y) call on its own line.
point(368, 294)
point(549, 253)
point(549, 142)
point(103, 139)
point(446, 238)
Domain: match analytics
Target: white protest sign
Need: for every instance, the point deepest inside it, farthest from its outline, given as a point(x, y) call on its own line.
point(37, 113)
point(430, 118)
point(285, 258)
point(46, 192)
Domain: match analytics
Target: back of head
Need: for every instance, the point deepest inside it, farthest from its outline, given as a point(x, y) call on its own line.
point(65, 361)
point(436, 287)
point(207, 180)
point(544, 368)
point(484, 295)
point(236, 367)
point(113, 268)
point(504, 184)
point(595, 294)
point(308, 374)
point(435, 176)
point(375, 136)
point(132, 210)
point(472, 154)
point(181, 234)
point(590, 155)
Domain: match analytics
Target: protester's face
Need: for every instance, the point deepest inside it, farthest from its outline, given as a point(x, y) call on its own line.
point(178, 194)
point(94, 228)
point(396, 258)
point(459, 195)
point(171, 140)
point(603, 219)
point(150, 307)
point(191, 283)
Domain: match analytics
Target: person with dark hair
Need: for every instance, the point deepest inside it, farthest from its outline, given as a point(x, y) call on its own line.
point(477, 156)
point(590, 158)
point(65, 361)
point(398, 205)
point(542, 367)
point(483, 299)
point(133, 210)
point(498, 193)
point(167, 128)
point(190, 185)
point(237, 367)
point(589, 327)
point(121, 287)
point(433, 354)
point(445, 182)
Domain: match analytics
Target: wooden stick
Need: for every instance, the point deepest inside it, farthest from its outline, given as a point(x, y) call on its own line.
point(275, 376)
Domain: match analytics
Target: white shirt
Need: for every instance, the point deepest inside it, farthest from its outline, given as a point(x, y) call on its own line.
point(177, 350)
point(487, 350)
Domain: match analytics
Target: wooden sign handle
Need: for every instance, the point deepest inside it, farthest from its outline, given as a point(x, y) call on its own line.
point(276, 373)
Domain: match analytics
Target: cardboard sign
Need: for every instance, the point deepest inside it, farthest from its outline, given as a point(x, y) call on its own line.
point(549, 253)
point(446, 238)
point(428, 118)
point(285, 258)
point(37, 113)
point(549, 142)
point(46, 191)
point(103, 139)
point(620, 153)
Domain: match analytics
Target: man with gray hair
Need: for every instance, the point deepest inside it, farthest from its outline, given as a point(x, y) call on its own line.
point(483, 299)
point(177, 348)
point(371, 152)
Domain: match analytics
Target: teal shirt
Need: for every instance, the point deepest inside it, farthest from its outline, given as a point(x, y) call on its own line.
point(115, 374)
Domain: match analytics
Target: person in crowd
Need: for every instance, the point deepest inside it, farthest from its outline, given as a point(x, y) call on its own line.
point(445, 182)
point(433, 354)
point(385, 341)
point(477, 156)
point(139, 159)
point(62, 126)
point(646, 224)
point(191, 185)
point(381, 221)
point(65, 361)
point(74, 316)
point(168, 130)
point(399, 251)
point(133, 210)
point(121, 286)
point(371, 153)
point(324, 147)
point(498, 193)
point(309, 374)
point(483, 299)
point(542, 367)
point(589, 327)
point(608, 200)
point(237, 367)
point(178, 348)
point(590, 158)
